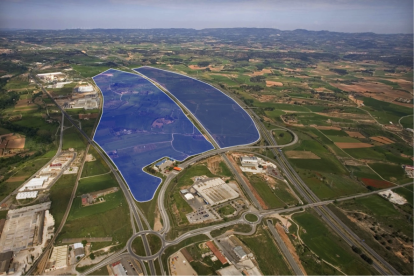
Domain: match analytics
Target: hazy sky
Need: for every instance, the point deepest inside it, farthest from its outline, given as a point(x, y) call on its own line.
point(379, 16)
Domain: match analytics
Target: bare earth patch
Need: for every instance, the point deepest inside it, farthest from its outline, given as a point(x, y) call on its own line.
point(326, 127)
point(16, 143)
point(17, 178)
point(273, 83)
point(382, 140)
point(355, 134)
point(298, 154)
point(343, 145)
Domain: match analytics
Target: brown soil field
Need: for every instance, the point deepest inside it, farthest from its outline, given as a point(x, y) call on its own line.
point(214, 69)
point(298, 154)
point(213, 164)
point(351, 116)
point(358, 102)
point(16, 143)
point(273, 83)
point(21, 103)
point(381, 184)
point(326, 127)
point(266, 98)
point(259, 73)
point(323, 89)
point(378, 91)
point(17, 178)
point(343, 145)
point(383, 140)
point(355, 134)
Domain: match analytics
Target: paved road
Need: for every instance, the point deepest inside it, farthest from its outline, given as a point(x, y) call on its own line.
point(284, 249)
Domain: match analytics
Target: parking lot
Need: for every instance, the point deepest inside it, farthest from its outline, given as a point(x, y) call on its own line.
point(202, 214)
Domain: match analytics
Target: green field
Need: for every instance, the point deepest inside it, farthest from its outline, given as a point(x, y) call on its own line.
point(262, 245)
point(391, 172)
point(72, 139)
point(59, 195)
point(265, 192)
point(407, 122)
point(282, 136)
point(244, 228)
point(112, 201)
point(328, 246)
point(95, 167)
point(226, 210)
point(389, 225)
point(96, 183)
point(138, 246)
point(251, 217)
point(386, 112)
point(329, 186)
point(383, 211)
point(154, 243)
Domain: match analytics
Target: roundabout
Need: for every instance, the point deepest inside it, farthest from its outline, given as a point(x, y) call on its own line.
point(137, 241)
point(251, 218)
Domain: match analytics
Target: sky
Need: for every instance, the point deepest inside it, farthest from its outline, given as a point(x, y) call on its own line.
point(378, 16)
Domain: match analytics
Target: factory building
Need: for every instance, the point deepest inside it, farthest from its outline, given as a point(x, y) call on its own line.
point(34, 183)
point(214, 191)
point(25, 195)
point(249, 161)
point(27, 227)
point(79, 250)
point(85, 88)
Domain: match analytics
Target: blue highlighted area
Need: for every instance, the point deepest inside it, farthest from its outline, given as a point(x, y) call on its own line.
point(226, 121)
point(141, 124)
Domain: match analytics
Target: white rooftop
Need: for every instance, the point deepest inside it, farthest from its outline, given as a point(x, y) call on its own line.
point(25, 195)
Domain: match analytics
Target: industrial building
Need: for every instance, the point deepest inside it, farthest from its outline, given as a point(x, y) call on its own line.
point(34, 183)
point(27, 227)
point(240, 253)
point(84, 103)
point(85, 88)
point(249, 161)
point(25, 195)
point(50, 77)
point(78, 250)
point(58, 259)
point(214, 191)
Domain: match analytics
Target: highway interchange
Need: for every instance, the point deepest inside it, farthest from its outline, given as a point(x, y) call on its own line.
point(280, 160)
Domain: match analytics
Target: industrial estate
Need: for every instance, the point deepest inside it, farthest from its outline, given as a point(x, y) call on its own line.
point(186, 152)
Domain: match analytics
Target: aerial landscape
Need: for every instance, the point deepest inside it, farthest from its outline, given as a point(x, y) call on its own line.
point(206, 137)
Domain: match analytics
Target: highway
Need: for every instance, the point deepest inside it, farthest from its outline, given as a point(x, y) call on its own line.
point(284, 249)
point(331, 219)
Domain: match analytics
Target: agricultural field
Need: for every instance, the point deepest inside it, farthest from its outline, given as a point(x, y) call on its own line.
point(387, 228)
point(320, 239)
point(267, 254)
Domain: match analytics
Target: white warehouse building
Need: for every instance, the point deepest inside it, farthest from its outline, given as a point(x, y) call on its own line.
point(215, 191)
point(25, 195)
point(249, 161)
point(34, 183)
point(85, 88)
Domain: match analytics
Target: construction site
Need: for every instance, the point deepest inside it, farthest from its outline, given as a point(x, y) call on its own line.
point(11, 144)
